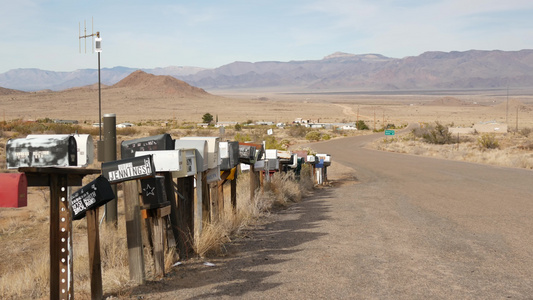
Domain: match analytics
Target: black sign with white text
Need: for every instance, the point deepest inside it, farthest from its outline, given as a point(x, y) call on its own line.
point(95, 194)
point(129, 169)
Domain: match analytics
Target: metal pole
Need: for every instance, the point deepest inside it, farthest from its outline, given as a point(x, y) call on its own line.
point(99, 99)
point(110, 154)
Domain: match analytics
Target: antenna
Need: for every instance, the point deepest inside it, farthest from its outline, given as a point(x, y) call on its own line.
point(99, 50)
point(85, 35)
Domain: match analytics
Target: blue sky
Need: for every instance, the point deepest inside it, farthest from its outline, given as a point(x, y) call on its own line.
point(148, 34)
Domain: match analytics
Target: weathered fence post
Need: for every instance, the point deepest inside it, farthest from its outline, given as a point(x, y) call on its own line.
point(133, 231)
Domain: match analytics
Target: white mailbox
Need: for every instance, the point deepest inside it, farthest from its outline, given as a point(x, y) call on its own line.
point(271, 154)
point(164, 160)
point(201, 151)
point(311, 159)
point(188, 164)
point(213, 159)
point(84, 143)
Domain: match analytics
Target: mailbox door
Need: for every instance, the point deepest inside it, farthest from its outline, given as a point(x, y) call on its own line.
point(153, 192)
point(201, 151)
point(212, 149)
point(13, 190)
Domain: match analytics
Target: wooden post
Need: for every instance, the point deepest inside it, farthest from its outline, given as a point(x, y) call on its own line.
point(234, 192)
point(133, 231)
point(157, 222)
point(171, 197)
point(253, 182)
point(220, 186)
point(95, 263)
point(213, 201)
point(206, 209)
point(199, 205)
point(185, 215)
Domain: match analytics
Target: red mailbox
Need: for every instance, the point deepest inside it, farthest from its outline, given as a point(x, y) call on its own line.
point(13, 190)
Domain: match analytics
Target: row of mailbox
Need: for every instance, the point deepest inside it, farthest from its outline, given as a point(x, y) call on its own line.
point(184, 157)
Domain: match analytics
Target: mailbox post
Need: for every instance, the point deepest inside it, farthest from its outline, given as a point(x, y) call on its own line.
point(58, 179)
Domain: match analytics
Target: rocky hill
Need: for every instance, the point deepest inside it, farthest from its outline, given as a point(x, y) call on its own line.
point(140, 80)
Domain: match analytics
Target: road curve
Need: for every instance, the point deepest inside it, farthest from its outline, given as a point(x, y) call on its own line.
point(426, 228)
point(408, 227)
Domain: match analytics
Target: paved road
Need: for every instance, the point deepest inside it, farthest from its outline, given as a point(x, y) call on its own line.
point(407, 228)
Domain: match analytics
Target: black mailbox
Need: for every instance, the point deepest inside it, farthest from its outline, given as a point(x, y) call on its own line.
point(151, 143)
point(47, 151)
point(247, 154)
point(153, 193)
point(95, 194)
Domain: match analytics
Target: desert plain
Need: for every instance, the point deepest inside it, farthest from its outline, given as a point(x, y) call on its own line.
point(161, 101)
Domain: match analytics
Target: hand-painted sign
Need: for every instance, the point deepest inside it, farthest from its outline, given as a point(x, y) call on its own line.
point(95, 194)
point(129, 169)
point(58, 151)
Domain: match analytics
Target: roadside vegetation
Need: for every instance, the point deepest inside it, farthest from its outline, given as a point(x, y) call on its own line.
point(25, 252)
point(513, 149)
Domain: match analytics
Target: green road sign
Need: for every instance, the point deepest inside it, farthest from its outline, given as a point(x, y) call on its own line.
point(389, 132)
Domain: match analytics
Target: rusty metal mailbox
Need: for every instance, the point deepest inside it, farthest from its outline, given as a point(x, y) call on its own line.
point(229, 154)
point(93, 195)
point(60, 151)
point(13, 190)
point(153, 193)
point(151, 143)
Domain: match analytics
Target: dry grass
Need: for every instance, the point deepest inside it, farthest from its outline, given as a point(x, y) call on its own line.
point(511, 153)
point(28, 277)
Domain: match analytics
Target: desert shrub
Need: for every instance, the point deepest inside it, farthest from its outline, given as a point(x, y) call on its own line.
point(361, 125)
point(488, 141)
point(238, 127)
point(298, 131)
point(525, 131)
point(156, 131)
point(313, 136)
point(272, 143)
point(127, 131)
point(435, 134)
point(241, 137)
point(326, 137)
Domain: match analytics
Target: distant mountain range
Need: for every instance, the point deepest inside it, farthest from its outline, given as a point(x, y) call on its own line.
point(474, 69)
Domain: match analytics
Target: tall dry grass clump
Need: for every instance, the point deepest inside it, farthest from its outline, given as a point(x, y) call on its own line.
point(281, 191)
